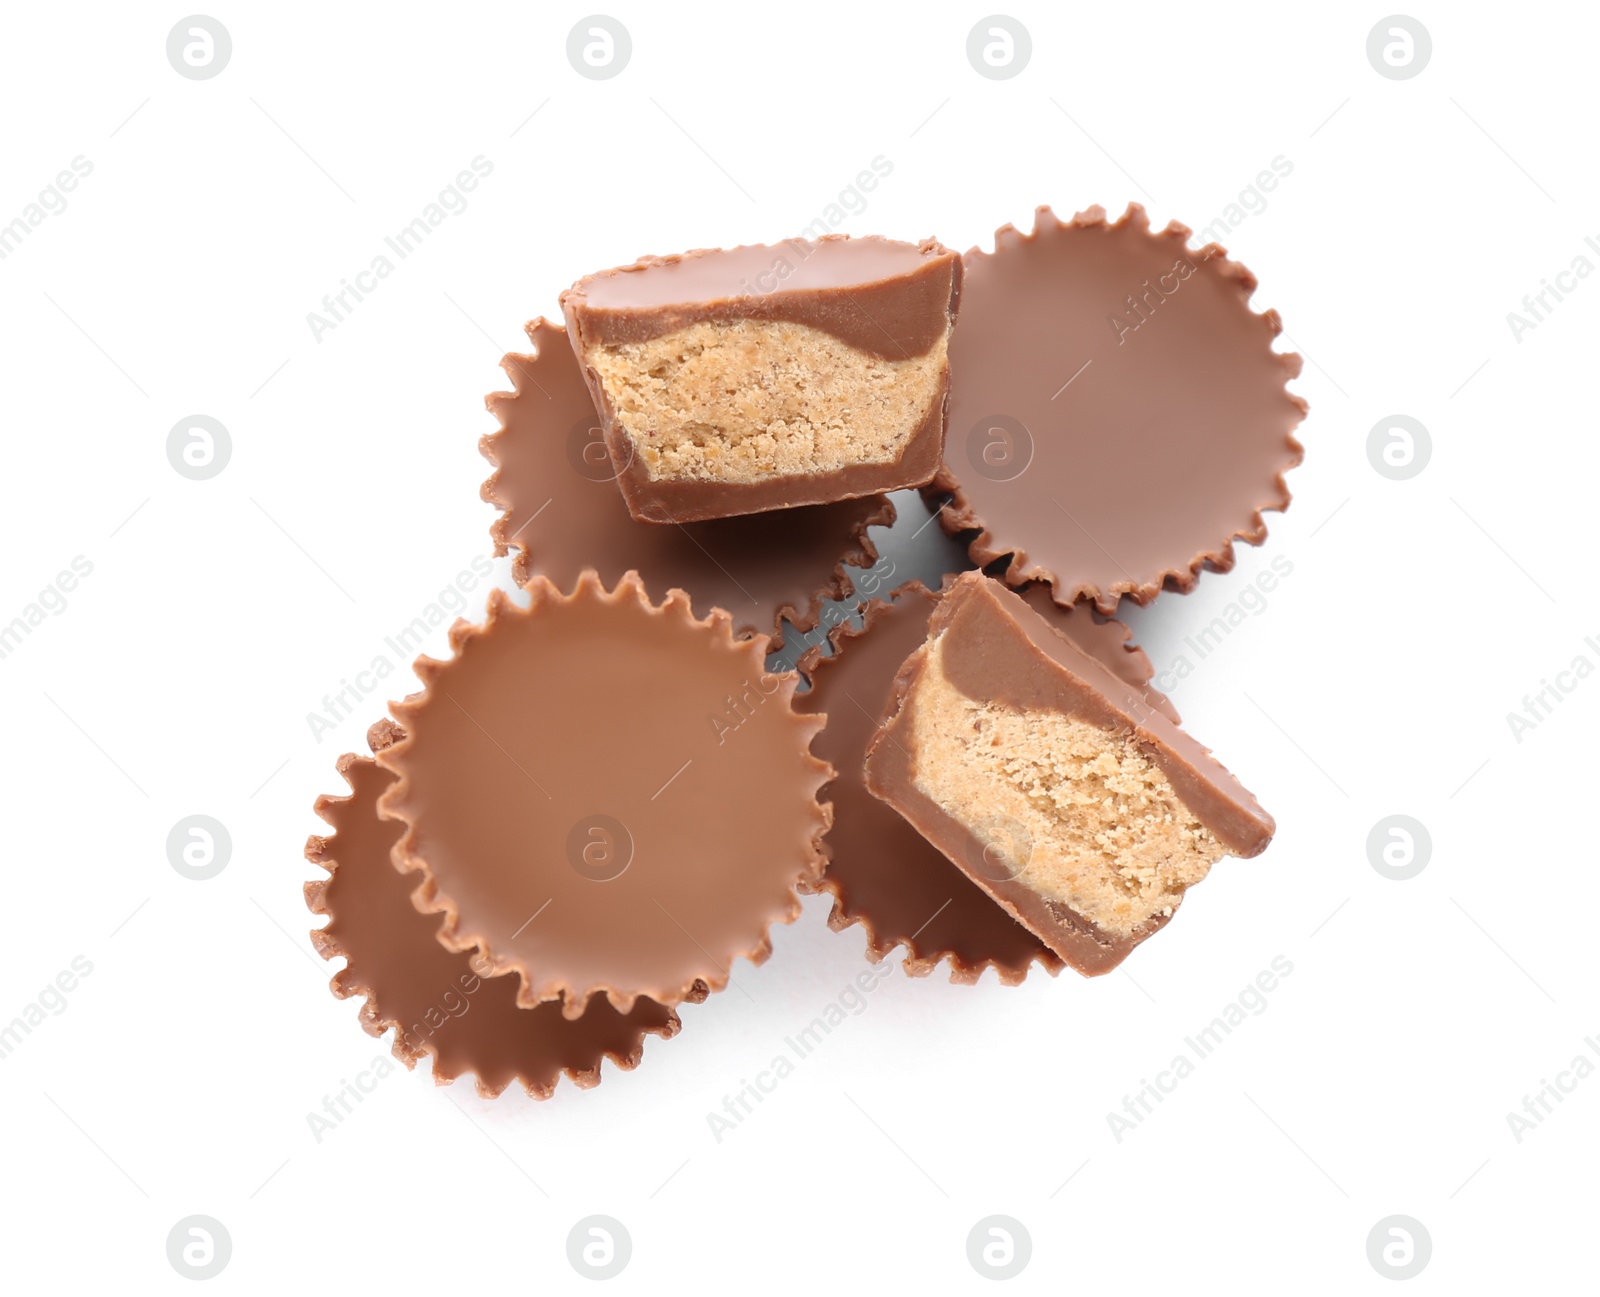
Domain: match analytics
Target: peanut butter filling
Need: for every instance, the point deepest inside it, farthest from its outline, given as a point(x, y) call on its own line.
point(1076, 813)
point(744, 401)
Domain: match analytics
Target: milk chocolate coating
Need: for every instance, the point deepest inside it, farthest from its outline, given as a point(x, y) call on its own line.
point(563, 512)
point(878, 295)
point(885, 298)
point(1112, 460)
point(1105, 639)
point(433, 997)
point(597, 733)
point(882, 873)
point(997, 648)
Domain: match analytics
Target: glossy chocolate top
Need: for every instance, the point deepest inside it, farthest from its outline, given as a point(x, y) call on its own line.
point(879, 295)
point(1117, 414)
point(563, 512)
point(606, 795)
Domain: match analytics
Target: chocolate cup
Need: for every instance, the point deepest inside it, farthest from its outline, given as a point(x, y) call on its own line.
point(632, 770)
point(1118, 417)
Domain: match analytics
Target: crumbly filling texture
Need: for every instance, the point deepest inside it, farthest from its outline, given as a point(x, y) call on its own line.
point(1075, 813)
point(749, 400)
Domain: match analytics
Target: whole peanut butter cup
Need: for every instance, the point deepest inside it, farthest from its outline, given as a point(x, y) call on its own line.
point(1117, 414)
point(605, 795)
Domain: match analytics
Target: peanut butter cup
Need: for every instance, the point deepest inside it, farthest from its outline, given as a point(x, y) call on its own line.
point(606, 795)
point(1117, 414)
point(737, 380)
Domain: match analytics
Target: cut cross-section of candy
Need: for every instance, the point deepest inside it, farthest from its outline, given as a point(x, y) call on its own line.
point(739, 380)
point(1054, 785)
point(882, 873)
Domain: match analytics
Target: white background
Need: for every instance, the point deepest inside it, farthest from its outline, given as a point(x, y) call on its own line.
point(1376, 680)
